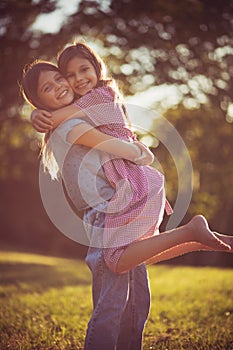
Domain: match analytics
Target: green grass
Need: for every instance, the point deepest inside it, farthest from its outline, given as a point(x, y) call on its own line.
point(45, 303)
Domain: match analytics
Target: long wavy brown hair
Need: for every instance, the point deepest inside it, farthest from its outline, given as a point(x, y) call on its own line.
point(29, 90)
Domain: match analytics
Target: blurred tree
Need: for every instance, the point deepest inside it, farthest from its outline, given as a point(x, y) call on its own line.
point(24, 222)
point(152, 42)
point(17, 47)
point(208, 139)
point(147, 42)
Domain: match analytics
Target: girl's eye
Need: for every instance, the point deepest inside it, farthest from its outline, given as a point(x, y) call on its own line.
point(60, 80)
point(84, 69)
point(69, 76)
point(47, 88)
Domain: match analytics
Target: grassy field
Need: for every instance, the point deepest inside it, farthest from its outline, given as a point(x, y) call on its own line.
point(46, 304)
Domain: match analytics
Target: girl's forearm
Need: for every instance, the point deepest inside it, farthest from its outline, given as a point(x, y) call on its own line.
point(65, 113)
point(86, 135)
point(120, 149)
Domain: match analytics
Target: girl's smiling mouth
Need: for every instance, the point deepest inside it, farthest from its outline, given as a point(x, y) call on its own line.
point(81, 86)
point(63, 93)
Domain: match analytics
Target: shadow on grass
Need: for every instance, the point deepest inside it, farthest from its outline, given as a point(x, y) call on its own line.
point(40, 276)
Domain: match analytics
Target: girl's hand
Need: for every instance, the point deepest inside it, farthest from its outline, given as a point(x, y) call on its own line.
point(41, 121)
point(146, 157)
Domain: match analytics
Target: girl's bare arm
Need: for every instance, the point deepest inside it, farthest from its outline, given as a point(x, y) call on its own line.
point(44, 121)
point(41, 120)
point(65, 113)
point(85, 134)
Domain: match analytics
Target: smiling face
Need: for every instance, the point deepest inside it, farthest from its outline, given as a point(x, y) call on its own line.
point(54, 90)
point(81, 75)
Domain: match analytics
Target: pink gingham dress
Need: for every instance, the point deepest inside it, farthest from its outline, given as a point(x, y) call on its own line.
point(136, 210)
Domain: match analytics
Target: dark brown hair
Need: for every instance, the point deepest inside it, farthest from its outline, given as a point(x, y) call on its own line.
point(29, 90)
point(82, 50)
point(30, 78)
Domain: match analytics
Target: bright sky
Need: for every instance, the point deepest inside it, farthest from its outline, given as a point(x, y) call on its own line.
point(51, 22)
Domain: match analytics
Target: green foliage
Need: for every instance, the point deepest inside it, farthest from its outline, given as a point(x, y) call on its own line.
point(18, 145)
point(145, 43)
point(209, 141)
point(46, 303)
point(16, 41)
point(165, 40)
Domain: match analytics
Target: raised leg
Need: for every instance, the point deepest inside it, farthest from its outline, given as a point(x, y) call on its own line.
point(188, 248)
point(197, 230)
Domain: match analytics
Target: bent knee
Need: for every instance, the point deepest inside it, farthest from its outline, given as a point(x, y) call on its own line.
point(112, 259)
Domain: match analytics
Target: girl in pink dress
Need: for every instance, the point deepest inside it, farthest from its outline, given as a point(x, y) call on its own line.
point(136, 210)
point(134, 213)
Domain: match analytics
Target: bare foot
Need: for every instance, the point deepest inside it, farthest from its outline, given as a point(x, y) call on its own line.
point(201, 233)
point(226, 239)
